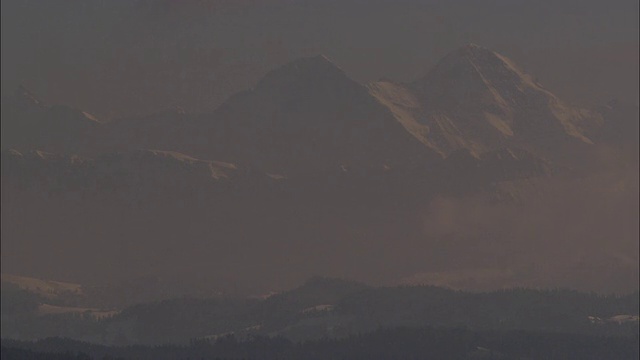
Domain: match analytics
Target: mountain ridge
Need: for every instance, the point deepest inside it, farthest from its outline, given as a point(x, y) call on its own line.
point(488, 100)
point(309, 114)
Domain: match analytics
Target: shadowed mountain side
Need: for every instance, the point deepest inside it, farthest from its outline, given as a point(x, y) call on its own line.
point(27, 123)
point(303, 117)
point(310, 114)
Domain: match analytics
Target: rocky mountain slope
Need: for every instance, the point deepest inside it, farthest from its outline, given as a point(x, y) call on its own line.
point(479, 100)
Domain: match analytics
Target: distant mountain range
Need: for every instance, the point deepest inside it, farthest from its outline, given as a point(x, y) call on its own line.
point(306, 161)
point(309, 115)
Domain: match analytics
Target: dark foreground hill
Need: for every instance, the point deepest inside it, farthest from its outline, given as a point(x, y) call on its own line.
point(398, 343)
point(318, 309)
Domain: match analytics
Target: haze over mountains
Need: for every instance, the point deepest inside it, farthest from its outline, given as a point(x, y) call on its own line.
point(319, 179)
point(311, 172)
point(138, 56)
point(311, 113)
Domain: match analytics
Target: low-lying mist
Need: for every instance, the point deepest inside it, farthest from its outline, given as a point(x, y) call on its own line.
point(574, 230)
point(563, 232)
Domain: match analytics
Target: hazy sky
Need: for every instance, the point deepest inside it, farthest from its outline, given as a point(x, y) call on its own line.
point(120, 57)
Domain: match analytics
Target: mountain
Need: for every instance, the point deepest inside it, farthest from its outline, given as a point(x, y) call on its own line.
point(309, 170)
point(132, 175)
point(479, 100)
point(27, 123)
point(310, 114)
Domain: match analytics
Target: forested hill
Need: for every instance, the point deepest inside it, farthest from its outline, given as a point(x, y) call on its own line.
point(399, 343)
point(322, 307)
